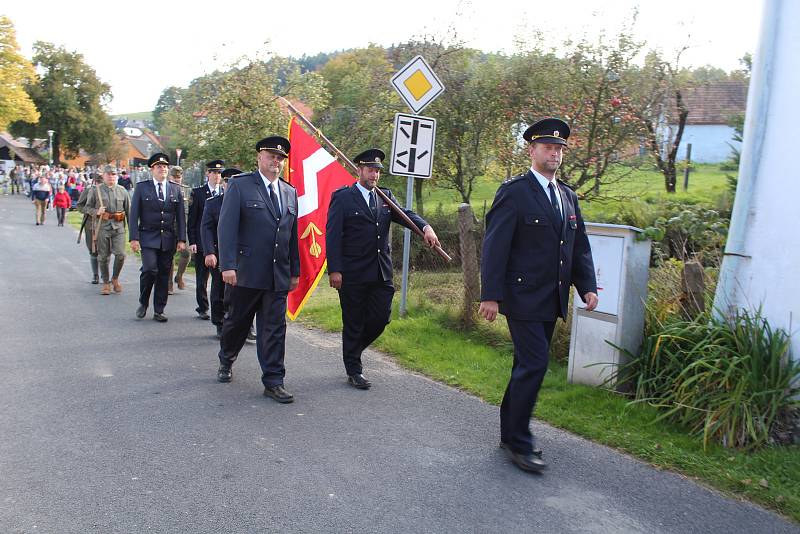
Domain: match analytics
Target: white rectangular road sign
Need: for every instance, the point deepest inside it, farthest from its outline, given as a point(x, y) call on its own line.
point(412, 146)
point(417, 84)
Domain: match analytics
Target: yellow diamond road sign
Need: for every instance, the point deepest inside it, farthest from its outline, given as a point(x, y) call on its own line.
point(417, 84)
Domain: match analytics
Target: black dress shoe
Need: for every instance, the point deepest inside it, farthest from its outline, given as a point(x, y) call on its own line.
point(219, 331)
point(224, 373)
point(251, 335)
point(527, 462)
point(279, 394)
point(160, 317)
point(536, 451)
point(358, 381)
point(141, 311)
point(96, 280)
point(203, 315)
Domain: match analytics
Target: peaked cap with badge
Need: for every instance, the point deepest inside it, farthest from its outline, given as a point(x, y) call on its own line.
point(232, 171)
point(550, 130)
point(372, 157)
point(275, 144)
point(216, 165)
point(158, 158)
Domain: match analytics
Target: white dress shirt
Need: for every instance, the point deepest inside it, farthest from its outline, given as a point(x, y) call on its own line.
point(544, 182)
point(276, 188)
point(163, 189)
point(366, 193)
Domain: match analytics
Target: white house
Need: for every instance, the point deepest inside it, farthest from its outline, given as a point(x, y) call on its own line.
point(711, 107)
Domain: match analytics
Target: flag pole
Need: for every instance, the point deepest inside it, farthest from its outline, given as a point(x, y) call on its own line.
point(352, 168)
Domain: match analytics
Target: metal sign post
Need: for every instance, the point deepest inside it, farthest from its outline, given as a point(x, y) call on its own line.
point(412, 142)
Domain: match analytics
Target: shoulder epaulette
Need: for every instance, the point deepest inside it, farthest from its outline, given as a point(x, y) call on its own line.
point(565, 184)
point(513, 179)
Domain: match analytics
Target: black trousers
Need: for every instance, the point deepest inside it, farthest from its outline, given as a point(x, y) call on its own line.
point(269, 308)
point(366, 310)
point(156, 264)
point(531, 345)
point(201, 277)
point(217, 296)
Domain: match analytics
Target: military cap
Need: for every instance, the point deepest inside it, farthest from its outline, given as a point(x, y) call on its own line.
point(157, 158)
point(370, 158)
point(109, 168)
point(227, 173)
point(215, 165)
point(551, 130)
point(275, 144)
point(176, 170)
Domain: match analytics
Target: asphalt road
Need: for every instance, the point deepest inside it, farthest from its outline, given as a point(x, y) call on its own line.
point(112, 424)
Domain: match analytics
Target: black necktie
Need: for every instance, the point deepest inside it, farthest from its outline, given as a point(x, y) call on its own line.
point(160, 192)
point(274, 198)
point(372, 205)
point(554, 202)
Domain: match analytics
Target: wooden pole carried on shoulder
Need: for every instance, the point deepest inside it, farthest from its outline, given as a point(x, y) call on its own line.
point(352, 168)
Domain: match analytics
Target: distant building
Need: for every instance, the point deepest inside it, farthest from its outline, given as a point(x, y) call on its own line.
point(23, 154)
point(711, 107)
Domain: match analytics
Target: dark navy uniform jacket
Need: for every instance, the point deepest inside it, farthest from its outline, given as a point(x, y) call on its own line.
point(197, 204)
point(261, 250)
point(529, 262)
point(358, 244)
point(208, 226)
point(157, 224)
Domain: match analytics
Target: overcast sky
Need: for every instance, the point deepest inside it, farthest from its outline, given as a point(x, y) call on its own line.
point(141, 47)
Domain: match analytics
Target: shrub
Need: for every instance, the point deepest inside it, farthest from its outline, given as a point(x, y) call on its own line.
point(729, 380)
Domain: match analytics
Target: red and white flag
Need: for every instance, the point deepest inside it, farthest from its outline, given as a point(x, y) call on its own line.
point(315, 174)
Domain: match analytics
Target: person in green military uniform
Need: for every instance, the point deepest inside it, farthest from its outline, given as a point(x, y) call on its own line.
point(176, 176)
point(110, 205)
point(87, 226)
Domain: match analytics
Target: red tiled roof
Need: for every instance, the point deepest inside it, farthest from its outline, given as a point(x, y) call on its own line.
point(715, 102)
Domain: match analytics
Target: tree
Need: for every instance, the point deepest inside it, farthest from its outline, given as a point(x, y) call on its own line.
point(169, 99)
point(223, 114)
point(70, 98)
point(662, 112)
point(589, 88)
point(362, 103)
point(15, 72)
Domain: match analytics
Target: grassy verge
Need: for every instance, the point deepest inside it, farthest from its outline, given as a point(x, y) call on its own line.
point(480, 363)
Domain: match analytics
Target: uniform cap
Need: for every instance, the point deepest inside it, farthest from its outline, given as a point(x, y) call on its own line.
point(275, 144)
point(227, 173)
point(550, 130)
point(215, 165)
point(370, 158)
point(157, 158)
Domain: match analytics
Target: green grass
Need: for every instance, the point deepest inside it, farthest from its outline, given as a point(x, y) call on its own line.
point(479, 362)
point(706, 183)
point(142, 115)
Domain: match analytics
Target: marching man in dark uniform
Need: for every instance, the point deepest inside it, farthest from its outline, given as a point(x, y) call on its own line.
point(535, 248)
point(197, 204)
point(157, 228)
point(360, 260)
point(260, 261)
point(210, 248)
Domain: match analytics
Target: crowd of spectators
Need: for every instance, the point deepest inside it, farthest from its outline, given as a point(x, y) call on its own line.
point(53, 187)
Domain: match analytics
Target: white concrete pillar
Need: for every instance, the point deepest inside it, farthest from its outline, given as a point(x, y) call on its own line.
point(762, 257)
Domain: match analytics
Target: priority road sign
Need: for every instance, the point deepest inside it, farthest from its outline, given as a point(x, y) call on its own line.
point(412, 145)
point(417, 84)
